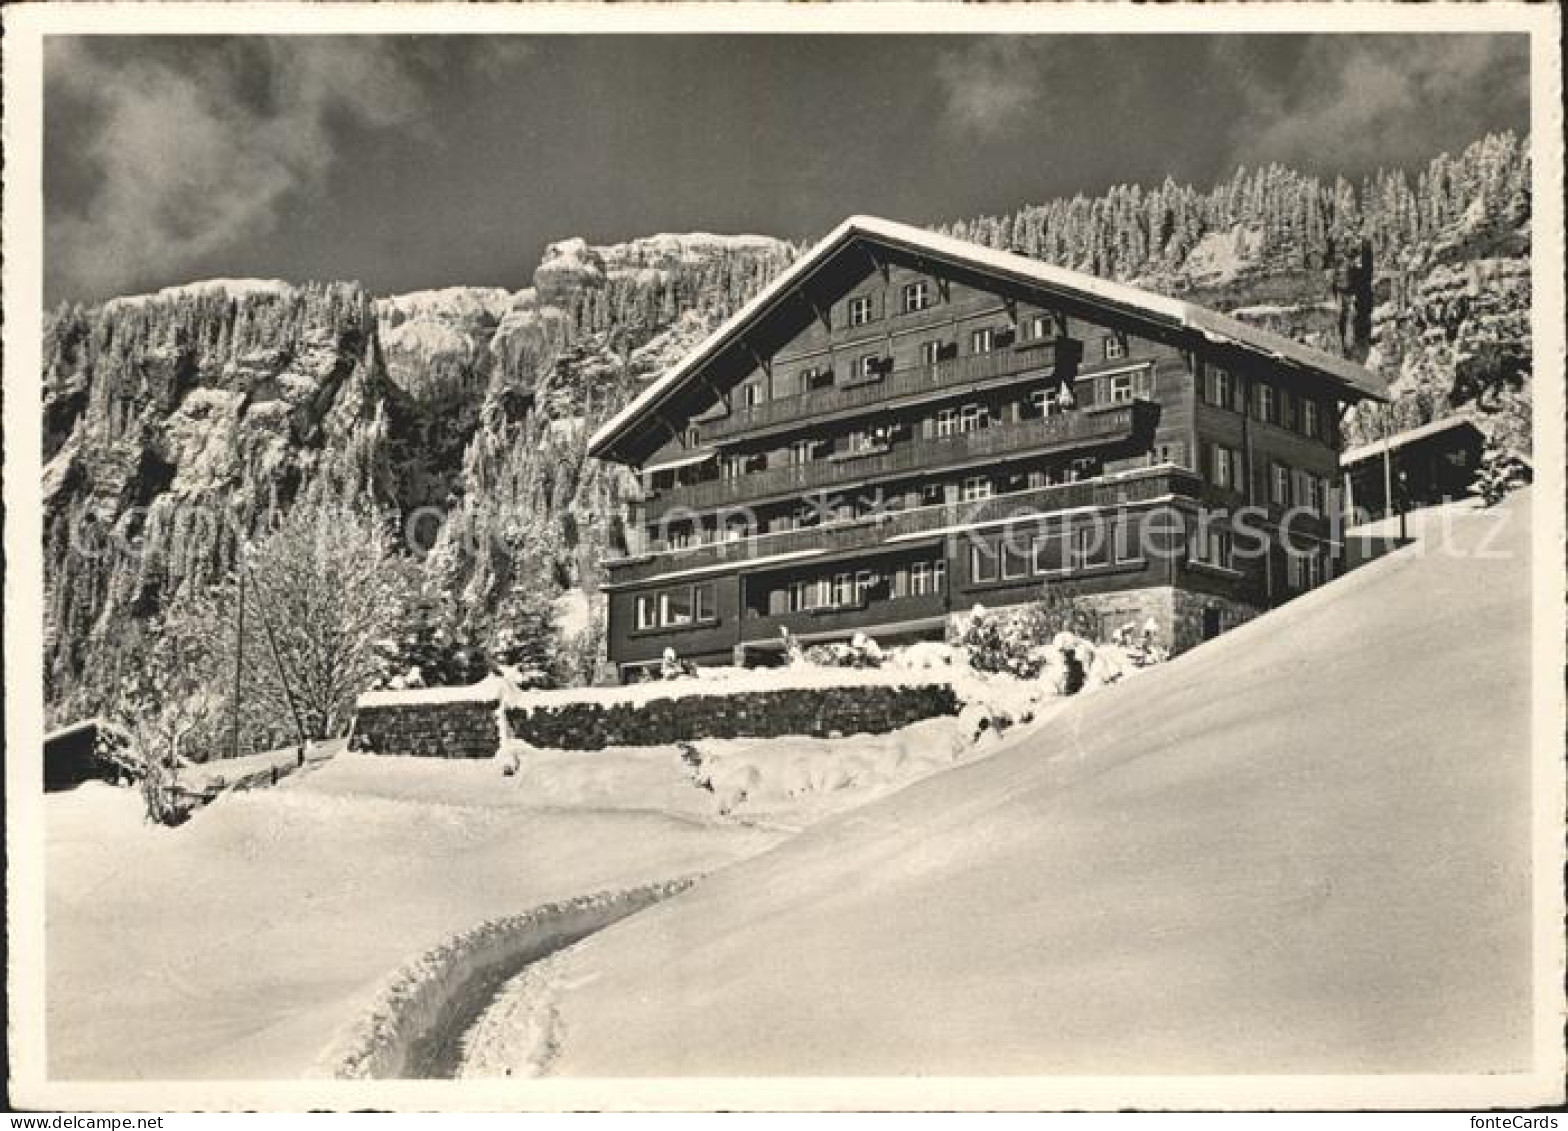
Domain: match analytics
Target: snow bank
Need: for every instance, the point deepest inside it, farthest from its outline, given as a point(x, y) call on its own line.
point(419, 1013)
point(729, 680)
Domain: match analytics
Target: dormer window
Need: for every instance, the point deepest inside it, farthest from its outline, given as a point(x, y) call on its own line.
point(693, 438)
point(917, 296)
point(752, 395)
point(860, 310)
point(1115, 346)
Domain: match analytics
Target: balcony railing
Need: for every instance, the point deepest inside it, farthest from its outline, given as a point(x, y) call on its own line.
point(887, 610)
point(1074, 429)
point(861, 392)
point(907, 525)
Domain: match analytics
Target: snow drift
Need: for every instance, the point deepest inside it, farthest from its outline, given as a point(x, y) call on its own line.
point(1303, 847)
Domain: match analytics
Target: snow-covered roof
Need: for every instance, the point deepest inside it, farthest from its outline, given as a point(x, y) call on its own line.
point(1408, 436)
point(1162, 309)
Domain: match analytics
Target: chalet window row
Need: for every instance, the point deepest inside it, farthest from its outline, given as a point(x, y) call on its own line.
point(1054, 552)
point(677, 607)
point(1270, 405)
point(855, 589)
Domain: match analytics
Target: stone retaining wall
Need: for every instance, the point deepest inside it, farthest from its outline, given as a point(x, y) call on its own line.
point(464, 729)
point(822, 712)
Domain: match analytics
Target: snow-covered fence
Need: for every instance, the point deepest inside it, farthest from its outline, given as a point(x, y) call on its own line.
point(421, 1011)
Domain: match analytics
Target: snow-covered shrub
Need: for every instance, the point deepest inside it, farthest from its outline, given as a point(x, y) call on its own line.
point(924, 656)
point(1141, 646)
point(860, 652)
point(1007, 643)
point(1066, 662)
point(671, 666)
point(1501, 471)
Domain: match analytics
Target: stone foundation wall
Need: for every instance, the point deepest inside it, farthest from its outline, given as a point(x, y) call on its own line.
point(465, 729)
point(1178, 613)
point(821, 712)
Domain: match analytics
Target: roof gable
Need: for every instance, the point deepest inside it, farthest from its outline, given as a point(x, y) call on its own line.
point(1155, 310)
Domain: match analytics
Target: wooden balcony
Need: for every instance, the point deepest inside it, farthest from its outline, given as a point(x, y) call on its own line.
point(854, 392)
point(893, 528)
point(1081, 428)
point(849, 618)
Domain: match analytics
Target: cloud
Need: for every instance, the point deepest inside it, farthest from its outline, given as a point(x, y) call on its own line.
point(990, 86)
point(193, 150)
point(1378, 100)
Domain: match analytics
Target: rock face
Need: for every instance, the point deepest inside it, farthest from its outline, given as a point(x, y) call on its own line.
point(201, 407)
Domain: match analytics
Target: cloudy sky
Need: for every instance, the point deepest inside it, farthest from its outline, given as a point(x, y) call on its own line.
point(409, 162)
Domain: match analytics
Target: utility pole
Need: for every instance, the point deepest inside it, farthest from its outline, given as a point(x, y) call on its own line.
point(239, 656)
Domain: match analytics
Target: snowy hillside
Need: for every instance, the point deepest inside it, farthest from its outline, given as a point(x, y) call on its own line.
point(1299, 848)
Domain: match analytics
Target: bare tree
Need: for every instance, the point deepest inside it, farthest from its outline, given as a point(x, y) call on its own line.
point(327, 596)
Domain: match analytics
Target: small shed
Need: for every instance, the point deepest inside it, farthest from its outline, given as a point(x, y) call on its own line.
point(83, 751)
point(1430, 464)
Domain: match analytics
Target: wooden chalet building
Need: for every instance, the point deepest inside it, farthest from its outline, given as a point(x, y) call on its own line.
point(903, 426)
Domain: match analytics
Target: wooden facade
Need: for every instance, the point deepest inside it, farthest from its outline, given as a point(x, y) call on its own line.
point(904, 426)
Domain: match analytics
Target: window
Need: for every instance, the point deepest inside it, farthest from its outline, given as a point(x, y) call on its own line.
point(1279, 486)
point(1015, 557)
point(1175, 454)
point(1114, 346)
point(1293, 572)
point(930, 494)
point(865, 580)
point(982, 340)
point(1120, 389)
point(976, 487)
point(1210, 546)
point(693, 438)
point(1317, 493)
point(860, 310)
point(917, 296)
point(1043, 402)
point(647, 612)
point(946, 422)
point(1037, 328)
point(1050, 552)
point(680, 538)
point(1310, 424)
point(1224, 466)
point(982, 563)
point(939, 575)
point(1217, 386)
point(930, 352)
point(802, 451)
point(817, 377)
point(1092, 544)
point(752, 395)
point(675, 607)
point(1314, 571)
point(973, 417)
point(920, 579)
point(1125, 540)
point(868, 365)
point(702, 601)
point(1263, 406)
point(1287, 409)
point(843, 590)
